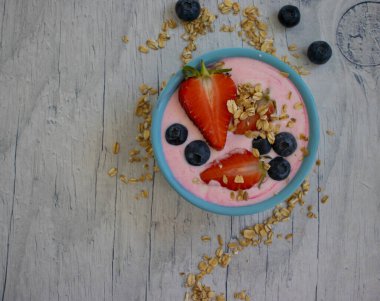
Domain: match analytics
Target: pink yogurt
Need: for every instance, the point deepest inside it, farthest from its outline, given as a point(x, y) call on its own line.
point(243, 70)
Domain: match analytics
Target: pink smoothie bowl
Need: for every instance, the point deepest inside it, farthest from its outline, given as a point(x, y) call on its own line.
point(302, 172)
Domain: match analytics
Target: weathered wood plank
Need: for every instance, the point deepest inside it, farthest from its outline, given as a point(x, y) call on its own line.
point(68, 231)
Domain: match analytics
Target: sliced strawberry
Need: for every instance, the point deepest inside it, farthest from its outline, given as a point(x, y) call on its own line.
point(204, 95)
point(238, 166)
point(249, 124)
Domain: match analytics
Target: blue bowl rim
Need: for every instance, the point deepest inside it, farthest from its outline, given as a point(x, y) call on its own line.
point(307, 164)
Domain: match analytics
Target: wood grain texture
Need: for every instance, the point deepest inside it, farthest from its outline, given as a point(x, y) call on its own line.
point(69, 232)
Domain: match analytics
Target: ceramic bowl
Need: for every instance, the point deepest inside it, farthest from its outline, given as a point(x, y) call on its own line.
point(305, 168)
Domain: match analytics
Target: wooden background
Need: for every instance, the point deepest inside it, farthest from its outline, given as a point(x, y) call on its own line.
point(67, 91)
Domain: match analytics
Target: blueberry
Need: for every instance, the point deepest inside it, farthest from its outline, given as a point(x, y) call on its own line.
point(262, 145)
point(176, 134)
point(197, 153)
point(289, 15)
point(319, 52)
point(284, 144)
point(279, 168)
point(188, 10)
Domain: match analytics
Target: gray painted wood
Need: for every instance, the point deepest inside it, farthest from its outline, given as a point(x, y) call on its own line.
point(69, 232)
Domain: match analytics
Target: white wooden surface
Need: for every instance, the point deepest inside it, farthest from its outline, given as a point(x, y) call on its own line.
point(69, 232)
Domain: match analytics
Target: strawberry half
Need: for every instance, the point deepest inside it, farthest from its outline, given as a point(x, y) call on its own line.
point(249, 124)
point(204, 95)
point(240, 169)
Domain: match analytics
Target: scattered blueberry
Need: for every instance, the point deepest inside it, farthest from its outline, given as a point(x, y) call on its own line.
point(188, 10)
point(284, 144)
point(176, 134)
point(262, 145)
point(319, 52)
point(289, 15)
point(279, 168)
point(197, 153)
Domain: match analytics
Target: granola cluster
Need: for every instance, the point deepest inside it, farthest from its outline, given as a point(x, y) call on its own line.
point(251, 236)
point(228, 6)
point(252, 100)
point(163, 37)
point(199, 27)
